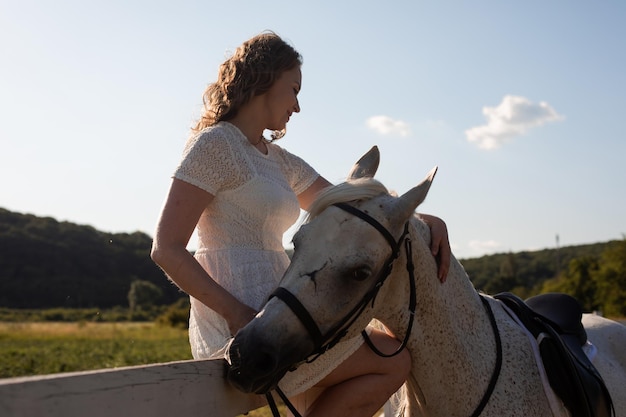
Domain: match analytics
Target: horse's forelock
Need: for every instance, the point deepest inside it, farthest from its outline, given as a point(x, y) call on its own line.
point(345, 192)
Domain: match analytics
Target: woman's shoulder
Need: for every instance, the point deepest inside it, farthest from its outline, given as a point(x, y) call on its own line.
point(217, 132)
point(219, 136)
point(285, 155)
point(209, 160)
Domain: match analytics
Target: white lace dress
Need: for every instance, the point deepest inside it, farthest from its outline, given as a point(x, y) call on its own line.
point(240, 234)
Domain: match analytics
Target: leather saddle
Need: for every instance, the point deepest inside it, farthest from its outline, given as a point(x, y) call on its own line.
point(554, 319)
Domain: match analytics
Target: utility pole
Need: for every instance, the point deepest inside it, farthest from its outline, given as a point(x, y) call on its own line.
point(558, 258)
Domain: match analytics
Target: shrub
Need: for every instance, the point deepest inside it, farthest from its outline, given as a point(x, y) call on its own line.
point(176, 315)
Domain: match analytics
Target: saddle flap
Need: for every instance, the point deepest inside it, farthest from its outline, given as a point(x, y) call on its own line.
point(573, 377)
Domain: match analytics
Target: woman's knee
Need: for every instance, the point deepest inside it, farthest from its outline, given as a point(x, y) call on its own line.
point(366, 362)
point(398, 365)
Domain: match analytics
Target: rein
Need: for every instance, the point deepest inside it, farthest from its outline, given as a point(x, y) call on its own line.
point(498, 367)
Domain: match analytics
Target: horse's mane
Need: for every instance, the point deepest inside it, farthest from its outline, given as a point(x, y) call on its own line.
point(349, 191)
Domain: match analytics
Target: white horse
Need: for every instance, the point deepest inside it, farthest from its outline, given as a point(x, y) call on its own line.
point(337, 260)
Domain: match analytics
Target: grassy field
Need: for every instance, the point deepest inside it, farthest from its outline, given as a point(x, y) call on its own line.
point(36, 348)
point(49, 347)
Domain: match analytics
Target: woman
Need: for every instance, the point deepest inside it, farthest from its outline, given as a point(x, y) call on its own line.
point(242, 192)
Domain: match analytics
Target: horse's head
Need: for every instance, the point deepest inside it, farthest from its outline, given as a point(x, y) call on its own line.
point(338, 265)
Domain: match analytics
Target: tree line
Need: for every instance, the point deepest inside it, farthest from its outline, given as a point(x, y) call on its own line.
point(594, 274)
point(45, 263)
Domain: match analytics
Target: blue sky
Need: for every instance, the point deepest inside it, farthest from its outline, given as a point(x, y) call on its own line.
point(520, 104)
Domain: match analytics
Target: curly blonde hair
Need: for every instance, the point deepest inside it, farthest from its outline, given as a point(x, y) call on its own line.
point(249, 72)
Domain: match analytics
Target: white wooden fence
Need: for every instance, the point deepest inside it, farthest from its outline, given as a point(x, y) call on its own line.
point(175, 389)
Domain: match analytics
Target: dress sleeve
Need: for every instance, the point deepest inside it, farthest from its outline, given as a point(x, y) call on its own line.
point(298, 172)
point(207, 162)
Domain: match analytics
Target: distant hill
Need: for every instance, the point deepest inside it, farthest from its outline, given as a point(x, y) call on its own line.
point(46, 263)
point(525, 272)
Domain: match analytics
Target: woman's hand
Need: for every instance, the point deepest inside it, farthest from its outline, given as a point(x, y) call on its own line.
point(439, 244)
point(239, 318)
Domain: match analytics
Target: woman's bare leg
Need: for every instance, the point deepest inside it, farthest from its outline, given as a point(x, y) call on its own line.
point(362, 384)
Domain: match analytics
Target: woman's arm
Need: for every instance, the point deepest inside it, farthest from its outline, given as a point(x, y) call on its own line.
point(439, 244)
point(180, 214)
point(308, 196)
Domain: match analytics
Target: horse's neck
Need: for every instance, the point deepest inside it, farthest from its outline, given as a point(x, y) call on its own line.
point(454, 305)
point(452, 341)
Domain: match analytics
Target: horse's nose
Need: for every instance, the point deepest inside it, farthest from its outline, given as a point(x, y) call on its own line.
point(262, 361)
point(253, 368)
point(253, 359)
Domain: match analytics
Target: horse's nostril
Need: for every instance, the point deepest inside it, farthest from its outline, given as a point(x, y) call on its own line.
point(264, 362)
point(233, 356)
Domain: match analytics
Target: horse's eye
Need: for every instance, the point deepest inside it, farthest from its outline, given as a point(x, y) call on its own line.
point(360, 274)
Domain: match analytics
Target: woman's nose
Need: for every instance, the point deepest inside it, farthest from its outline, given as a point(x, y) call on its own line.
point(296, 108)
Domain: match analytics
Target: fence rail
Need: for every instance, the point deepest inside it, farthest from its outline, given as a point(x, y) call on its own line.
point(178, 389)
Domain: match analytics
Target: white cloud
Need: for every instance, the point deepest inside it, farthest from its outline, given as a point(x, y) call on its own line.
point(486, 246)
point(386, 126)
point(512, 117)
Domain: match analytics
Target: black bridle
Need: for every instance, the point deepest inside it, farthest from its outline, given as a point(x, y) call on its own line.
point(324, 342)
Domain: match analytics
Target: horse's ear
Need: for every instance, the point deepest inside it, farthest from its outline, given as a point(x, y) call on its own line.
point(409, 201)
point(366, 166)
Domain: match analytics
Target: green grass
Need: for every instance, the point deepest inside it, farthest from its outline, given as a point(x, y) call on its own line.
point(50, 347)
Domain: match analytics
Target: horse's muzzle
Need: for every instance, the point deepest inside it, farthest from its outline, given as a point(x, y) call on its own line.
point(254, 369)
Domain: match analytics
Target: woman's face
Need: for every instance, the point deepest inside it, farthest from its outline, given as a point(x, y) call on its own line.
point(282, 99)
